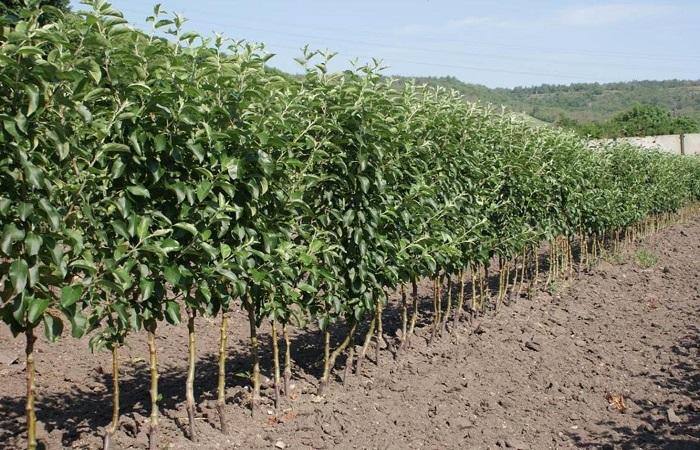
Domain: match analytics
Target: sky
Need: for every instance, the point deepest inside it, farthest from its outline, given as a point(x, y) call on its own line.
point(504, 43)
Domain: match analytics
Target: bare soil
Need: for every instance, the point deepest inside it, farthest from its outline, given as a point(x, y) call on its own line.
point(609, 359)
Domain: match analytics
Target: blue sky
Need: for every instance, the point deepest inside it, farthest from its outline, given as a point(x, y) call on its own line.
point(497, 43)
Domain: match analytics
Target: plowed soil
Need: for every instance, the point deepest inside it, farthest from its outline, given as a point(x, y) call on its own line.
point(608, 359)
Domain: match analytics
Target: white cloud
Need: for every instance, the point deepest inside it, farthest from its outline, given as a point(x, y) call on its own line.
point(610, 14)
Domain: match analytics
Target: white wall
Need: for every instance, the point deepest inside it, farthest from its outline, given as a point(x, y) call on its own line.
point(669, 143)
point(691, 144)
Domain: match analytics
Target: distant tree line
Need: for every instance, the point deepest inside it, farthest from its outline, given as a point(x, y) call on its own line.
point(640, 120)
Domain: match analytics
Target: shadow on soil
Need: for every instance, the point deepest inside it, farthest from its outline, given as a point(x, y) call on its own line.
point(86, 408)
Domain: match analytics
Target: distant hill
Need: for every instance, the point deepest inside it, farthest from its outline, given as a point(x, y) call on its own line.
point(582, 102)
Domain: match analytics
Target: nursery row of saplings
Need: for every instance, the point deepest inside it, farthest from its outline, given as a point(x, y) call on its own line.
point(143, 175)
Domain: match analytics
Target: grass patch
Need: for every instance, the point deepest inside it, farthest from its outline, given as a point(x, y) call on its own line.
point(646, 259)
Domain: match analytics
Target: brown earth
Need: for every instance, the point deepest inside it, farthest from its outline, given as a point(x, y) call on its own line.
point(607, 360)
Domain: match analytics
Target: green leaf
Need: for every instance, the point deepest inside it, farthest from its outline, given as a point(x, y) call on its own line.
point(53, 327)
point(348, 217)
point(34, 176)
point(19, 271)
point(146, 286)
point(364, 184)
point(172, 275)
point(323, 322)
point(227, 274)
point(36, 309)
point(84, 112)
point(198, 151)
point(51, 213)
point(120, 229)
point(5, 204)
point(33, 94)
point(160, 142)
point(115, 147)
point(172, 312)
point(187, 227)
point(85, 265)
point(118, 168)
point(307, 288)
point(169, 245)
point(143, 226)
point(32, 244)
point(25, 210)
point(70, 295)
point(78, 324)
point(10, 235)
point(139, 191)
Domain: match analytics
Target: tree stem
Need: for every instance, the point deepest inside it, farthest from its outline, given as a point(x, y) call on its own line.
point(404, 316)
point(153, 432)
point(189, 384)
point(448, 308)
point(221, 385)
point(31, 414)
point(276, 363)
point(114, 426)
point(287, 360)
point(254, 348)
point(365, 346)
point(414, 313)
point(460, 301)
point(334, 355)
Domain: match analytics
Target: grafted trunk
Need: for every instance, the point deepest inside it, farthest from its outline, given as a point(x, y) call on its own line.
point(404, 316)
point(114, 426)
point(460, 302)
point(448, 309)
point(380, 330)
point(365, 346)
point(29, 407)
point(221, 384)
point(189, 385)
point(287, 360)
point(255, 355)
point(153, 363)
point(414, 313)
point(331, 358)
point(276, 363)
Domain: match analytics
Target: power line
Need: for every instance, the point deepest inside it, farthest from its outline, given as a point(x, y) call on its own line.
point(646, 56)
point(411, 61)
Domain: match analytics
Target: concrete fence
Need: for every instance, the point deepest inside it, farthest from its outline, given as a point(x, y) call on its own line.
point(678, 144)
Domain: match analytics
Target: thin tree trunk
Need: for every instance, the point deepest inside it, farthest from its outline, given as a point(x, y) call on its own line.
point(334, 355)
point(476, 271)
point(380, 329)
point(107, 443)
point(29, 409)
point(460, 302)
point(276, 363)
point(326, 361)
point(404, 316)
point(191, 357)
point(414, 313)
point(254, 348)
point(221, 385)
point(287, 360)
point(448, 309)
point(153, 362)
point(365, 346)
